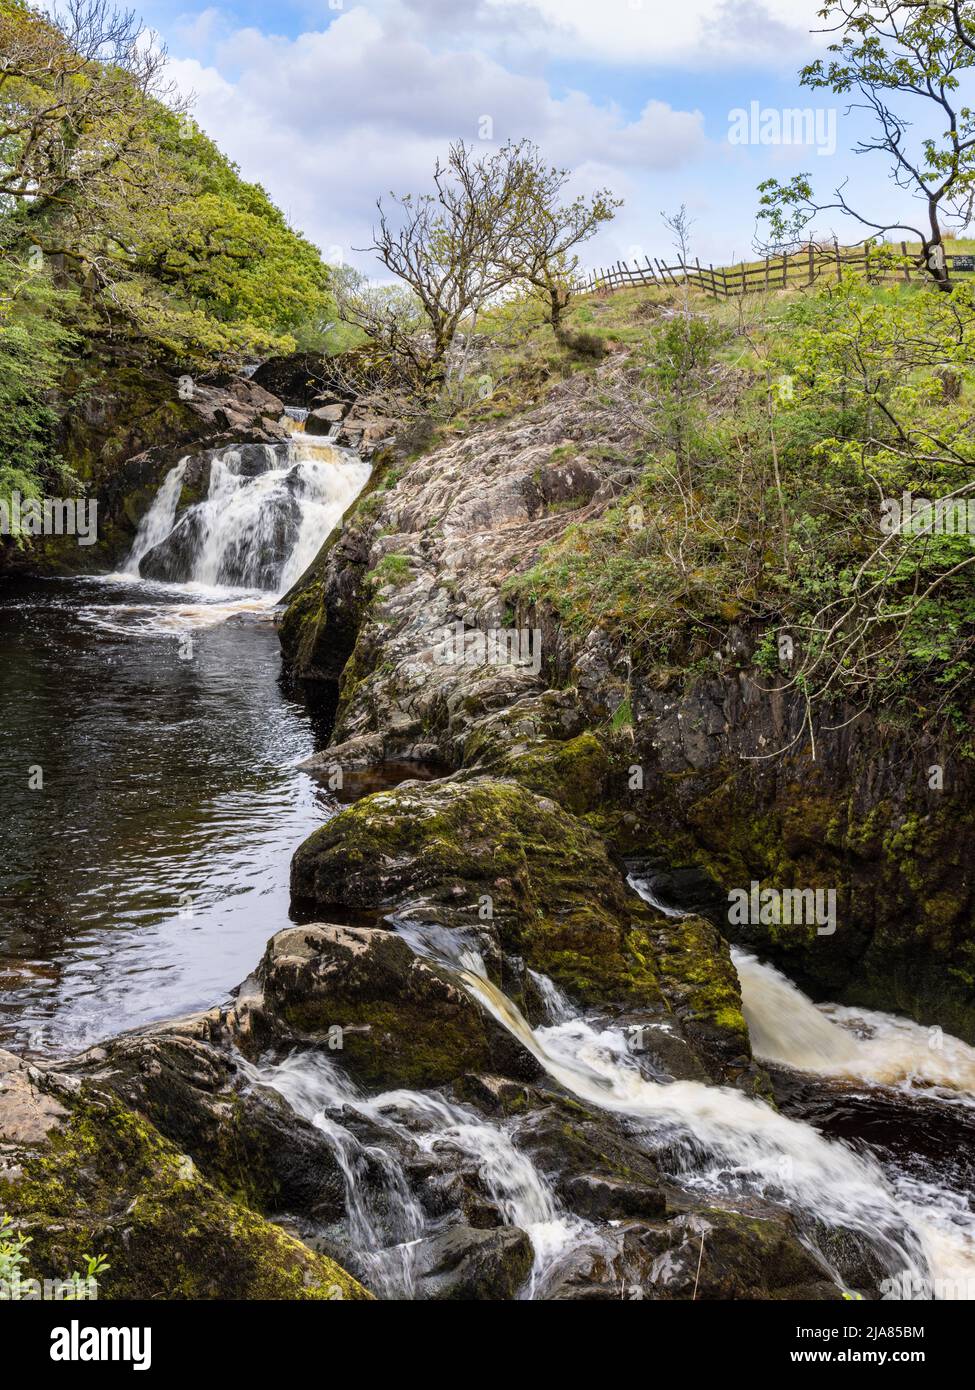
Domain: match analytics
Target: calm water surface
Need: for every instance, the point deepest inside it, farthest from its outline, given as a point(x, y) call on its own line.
point(143, 879)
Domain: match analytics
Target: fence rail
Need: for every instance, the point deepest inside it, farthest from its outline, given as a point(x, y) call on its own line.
point(808, 267)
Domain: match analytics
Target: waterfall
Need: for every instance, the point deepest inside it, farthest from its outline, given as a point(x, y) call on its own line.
point(713, 1141)
point(157, 523)
point(726, 1143)
point(384, 1218)
point(787, 1027)
point(266, 513)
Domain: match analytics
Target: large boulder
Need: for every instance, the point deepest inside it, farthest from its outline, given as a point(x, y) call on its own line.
point(486, 855)
point(85, 1175)
point(390, 1018)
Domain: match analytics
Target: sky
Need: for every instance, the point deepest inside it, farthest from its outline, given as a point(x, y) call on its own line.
point(332, 103)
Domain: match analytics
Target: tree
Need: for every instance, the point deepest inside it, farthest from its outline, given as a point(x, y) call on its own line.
point(454, 247)
point(544, 254)
point(886, 52)
point(74, 112)
point(392, 320)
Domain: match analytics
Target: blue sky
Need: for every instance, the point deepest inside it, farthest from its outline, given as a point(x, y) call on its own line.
point(330, 103)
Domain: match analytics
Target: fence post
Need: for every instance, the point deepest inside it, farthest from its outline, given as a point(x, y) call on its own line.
point(839, 260)
point(768, 268)
point(812, 264)
point(785, 270)
point(907, 268)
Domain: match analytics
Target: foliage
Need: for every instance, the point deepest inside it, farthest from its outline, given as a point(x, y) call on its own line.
point(891, 55)
point(33, 341)
point(768, 482)
point(14, 1273)
point(124, 229)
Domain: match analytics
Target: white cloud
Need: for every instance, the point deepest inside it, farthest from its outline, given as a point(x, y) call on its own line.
point(691, 33)
point(330, 120)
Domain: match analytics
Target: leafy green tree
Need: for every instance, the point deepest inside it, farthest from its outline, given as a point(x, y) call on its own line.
point(104, 176)
point(892, 55)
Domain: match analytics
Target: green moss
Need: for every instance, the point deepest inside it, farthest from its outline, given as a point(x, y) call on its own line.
point(392, 569)
point(398, 1042)
point(109, 1183)
point(574, 773)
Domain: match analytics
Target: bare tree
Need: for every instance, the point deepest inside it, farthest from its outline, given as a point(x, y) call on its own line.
point(393, 320)
point(549, 231)
point(679, 224)
point(452, 247)
point(885, 52)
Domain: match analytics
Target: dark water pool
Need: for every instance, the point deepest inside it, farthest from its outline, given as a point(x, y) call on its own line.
point(142, 874)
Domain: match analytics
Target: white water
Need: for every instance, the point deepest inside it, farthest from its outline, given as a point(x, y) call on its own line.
point(384, 1218)
point(252, 528)
point(157, 523)
point(734, 1146)
point(859, 1044)
point(714, 1140)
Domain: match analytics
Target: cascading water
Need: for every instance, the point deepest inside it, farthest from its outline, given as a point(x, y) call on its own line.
point(384, 1218)
point(267, 510)
point(711, 1140)
point(787, 1027)
point(733, 1146)
point(158, 521)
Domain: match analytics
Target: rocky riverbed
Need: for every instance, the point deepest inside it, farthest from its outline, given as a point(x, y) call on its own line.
point(502, 1052)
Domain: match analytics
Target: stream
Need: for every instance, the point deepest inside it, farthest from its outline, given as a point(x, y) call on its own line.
point(152, 796)
point(144, 875)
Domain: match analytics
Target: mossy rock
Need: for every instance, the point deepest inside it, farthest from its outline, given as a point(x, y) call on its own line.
point(454, 851)
point(487, 854)
point(107, 1183)
point(392, 1019)
point(574, 773)
point(246, 1139)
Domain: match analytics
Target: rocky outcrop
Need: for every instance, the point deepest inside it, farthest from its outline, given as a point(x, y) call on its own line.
point(84, 1174)
point(168, 1140)
point(707, 775)
point(538, 892)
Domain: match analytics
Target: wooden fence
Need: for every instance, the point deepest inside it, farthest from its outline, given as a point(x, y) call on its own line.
point(815, 263)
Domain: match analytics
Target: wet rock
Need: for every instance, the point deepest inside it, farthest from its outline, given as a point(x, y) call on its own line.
point(391, 1018)
point(597, 1170)
point(322, 419)
point(104, 1181)
point(603, 1198)
point(245, 1138)
point(471, 1264)
point(726, 1255)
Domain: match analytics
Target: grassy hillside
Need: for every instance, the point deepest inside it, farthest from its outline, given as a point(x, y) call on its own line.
point(125, 236)
point(778, 433)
